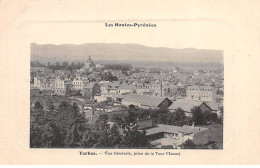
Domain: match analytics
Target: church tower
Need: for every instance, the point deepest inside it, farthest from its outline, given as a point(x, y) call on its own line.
point(89, 63)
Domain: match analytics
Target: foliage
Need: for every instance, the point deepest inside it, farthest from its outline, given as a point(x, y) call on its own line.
point(66, 126)
point(59, 127)
point(38, 105)
point(123, 67)
point(65, 66)
point(37, 64)
point(198, 116)
point(116, 118)
point(189, 144)
point(107, 76)
point(201, 118)
point(167, 147)
point(134, 138)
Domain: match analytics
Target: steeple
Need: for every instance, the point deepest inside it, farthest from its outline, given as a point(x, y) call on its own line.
point(89, 59)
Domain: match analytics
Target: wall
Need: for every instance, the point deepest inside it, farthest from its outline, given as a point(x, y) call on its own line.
point(165, 104)
point(204, 108)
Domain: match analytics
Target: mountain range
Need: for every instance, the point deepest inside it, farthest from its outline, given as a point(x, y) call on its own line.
point(128, 53)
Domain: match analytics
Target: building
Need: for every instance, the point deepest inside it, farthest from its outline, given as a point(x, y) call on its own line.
point(187, 105)
point(89, 65)
point(105, 96)
point(202, 93)
point(145, 102)
point(79, 83)
point(176, 135)
point(144, 123)
point(109, 87)
point(91, 90)
point(59, 86)
point(119, 74)
point(215, 108)
point(125, 89)
point(38, 82)
point(154, 87)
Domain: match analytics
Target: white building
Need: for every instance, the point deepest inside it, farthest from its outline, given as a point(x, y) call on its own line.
point(59, 86)
point(202, 93)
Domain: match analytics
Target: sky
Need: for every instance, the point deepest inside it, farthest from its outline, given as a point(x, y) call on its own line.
point(180, 23)
point(171, 34)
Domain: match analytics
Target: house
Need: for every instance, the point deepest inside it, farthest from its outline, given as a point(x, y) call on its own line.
point(186, 105)
point(109, 87)
point(100, 98)
point(144, 123)
point(154, 87)
point(215, 107)
point(174, 70)
point(91, 89)
point(146, 102)
point(119, 74)
point(142, 90)
point(203, 93)
point(105, 96)
point(123, 89)
point(78, 84)
point(59, 86)
point(176, 135)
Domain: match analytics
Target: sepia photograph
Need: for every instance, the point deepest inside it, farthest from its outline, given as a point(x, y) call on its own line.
point(92, 95)
point(129, 82)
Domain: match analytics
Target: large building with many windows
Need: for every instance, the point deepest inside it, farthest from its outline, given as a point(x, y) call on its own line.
point(202, 93)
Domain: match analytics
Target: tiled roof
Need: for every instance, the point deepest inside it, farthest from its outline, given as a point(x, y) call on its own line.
point(144, 100)
point(184, 104)
point(213, 105)
point(114, 95)
point(173, 129)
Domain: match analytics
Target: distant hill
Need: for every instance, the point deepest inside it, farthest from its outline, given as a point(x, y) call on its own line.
point(132, 53)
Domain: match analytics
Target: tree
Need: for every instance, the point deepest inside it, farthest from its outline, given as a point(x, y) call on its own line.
point(206, 117)
point(107, 76)
point(37, 122)
point(131, 116)
point(189, 144)
point(52, 135)
point(77, 127)
point(116, 118)
point(134, 138)
point(115, 137)
point(38, 105)
point(100, 132)
point(162, 118)
point(179, 114)
point(88, 140)
point(197, 116)
point(214, 117)
point(50, 106)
